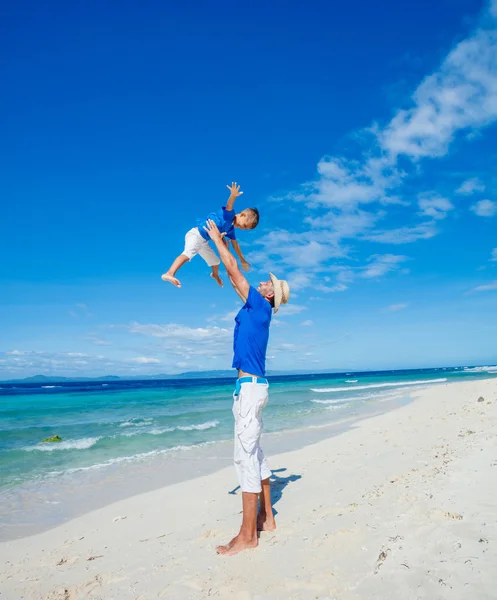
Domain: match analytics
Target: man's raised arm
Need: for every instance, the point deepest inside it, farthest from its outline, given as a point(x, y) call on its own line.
point(238, 280)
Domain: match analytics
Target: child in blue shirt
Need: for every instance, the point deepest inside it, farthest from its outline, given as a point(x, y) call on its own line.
point(197, 239)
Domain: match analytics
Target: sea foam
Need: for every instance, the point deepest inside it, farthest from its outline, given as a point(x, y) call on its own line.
point(81, 444)
point(377, 385)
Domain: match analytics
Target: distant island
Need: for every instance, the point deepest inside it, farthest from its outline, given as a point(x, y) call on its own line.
point(231, 373)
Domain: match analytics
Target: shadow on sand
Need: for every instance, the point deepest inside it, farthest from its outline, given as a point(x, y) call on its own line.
point(278, 484)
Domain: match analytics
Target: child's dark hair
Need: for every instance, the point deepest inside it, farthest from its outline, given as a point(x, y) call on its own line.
point(253, 215)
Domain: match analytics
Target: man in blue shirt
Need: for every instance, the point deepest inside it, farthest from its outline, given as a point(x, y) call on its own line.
point(251, 394)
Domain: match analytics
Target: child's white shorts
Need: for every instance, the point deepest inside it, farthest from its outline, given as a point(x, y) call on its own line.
point(250, 463)
point(195, 244)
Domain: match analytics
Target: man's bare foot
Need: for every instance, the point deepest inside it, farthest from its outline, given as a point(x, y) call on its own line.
point(237, 545)
point(218, 279)
point(265, 524)
point(171, 279)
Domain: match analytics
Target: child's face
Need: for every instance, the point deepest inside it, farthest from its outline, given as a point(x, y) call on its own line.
point(242, 221)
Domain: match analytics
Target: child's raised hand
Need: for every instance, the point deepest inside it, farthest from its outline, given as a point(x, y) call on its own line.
point(234, 189)
point(245, 265)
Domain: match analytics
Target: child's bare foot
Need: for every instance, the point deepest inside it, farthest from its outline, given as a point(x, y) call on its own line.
point(218, 279)
point(171, 279)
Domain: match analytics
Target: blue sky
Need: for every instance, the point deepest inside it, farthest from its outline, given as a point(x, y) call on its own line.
point(364, 133)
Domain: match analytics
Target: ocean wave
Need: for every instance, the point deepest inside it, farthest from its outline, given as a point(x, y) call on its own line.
point(378, 385)
point(489, 369)
point(81, 444)
point(201, 427)
point(132, 458)
point(351, 380)
point(136, 423)
point(158, 430)
point(377, 395)
point(340, 401)
point(49, 387)
point(161, 430)
point(337, 406)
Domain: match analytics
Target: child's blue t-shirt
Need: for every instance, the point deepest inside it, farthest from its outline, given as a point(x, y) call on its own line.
point(252, 334)
point(223, 219)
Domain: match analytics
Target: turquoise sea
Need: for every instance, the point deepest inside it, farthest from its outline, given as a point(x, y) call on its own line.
point(105, 424)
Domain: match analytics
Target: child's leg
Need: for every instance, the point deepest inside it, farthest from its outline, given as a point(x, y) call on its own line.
point(170, 274)
point(212, 260)
point(193, 242)
point(215, 275)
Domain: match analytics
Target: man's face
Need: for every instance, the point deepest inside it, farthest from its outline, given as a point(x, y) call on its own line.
point(266, 288)
point(242, 221)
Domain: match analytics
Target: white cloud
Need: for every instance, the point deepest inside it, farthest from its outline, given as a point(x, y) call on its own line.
point(307, 323)
point(396, 307)
point(485, 208)
point(299, 280)
point(460, 95)
point(174, 342)
point(289, 309)
point(227, 317)
point(470, 186)
point(344, 225)
point(435, 207)
point(346, 184)
point(98, 341)
point(61, 363)
point(145, 360)
point(81, 310)
point(486, 287)
point(175, 331)
point(339, 287)
point(404, 235)
point(493, 258)
point(381, 264)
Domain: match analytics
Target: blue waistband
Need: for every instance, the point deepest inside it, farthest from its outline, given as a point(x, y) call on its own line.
point(241, 380)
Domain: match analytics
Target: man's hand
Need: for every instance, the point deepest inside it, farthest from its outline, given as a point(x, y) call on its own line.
point(245, 265)
point(213, 231)
point(234, 190)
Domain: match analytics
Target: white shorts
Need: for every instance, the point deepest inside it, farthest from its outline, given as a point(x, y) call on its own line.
point(250, 463)
point(195, 244)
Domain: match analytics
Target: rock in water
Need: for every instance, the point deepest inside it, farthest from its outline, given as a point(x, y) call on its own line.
point(54, 438)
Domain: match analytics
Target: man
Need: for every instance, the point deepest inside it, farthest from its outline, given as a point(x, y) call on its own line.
point(251, 394)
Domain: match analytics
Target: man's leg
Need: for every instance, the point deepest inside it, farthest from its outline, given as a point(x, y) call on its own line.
point(265, 518)
point(247, 538)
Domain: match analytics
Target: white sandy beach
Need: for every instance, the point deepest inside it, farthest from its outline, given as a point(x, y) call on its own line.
point(402, 506)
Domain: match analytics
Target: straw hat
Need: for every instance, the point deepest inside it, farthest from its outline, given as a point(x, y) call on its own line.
point(281, 291)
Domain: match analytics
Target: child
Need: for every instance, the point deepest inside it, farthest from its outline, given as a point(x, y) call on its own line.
point(197, 239)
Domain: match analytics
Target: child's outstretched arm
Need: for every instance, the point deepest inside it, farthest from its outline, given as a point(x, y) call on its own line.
point(234, 193)
point(245, 265)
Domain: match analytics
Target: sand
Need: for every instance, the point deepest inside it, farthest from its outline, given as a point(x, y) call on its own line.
point(402, 506)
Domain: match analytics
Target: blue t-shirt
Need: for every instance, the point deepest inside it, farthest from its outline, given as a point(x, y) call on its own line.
point(223, 219)
point(252, 334)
